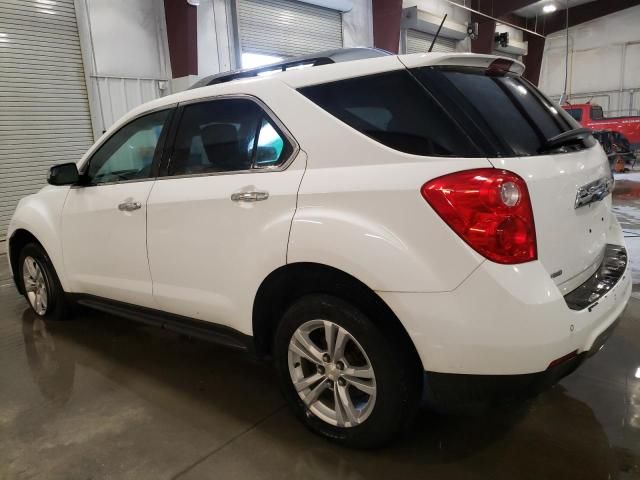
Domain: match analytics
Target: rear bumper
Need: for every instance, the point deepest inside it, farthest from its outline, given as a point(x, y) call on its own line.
point(453, 391)
point(505, 320)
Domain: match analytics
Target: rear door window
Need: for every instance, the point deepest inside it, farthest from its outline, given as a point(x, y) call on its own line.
point(395, 110)
point(226, 135)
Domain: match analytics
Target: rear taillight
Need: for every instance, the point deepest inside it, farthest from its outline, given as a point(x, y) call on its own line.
point(490, 209)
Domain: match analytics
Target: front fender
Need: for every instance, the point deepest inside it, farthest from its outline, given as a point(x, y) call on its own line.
point(40, 215)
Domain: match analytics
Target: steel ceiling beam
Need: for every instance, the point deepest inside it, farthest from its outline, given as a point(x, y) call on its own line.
point(387, 15)
point(497, 8)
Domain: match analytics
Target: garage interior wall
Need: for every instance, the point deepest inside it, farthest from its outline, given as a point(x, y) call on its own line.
point(439, 8)
point(514, 34)
point(44, 111)
point(216, 49)
point(126, 55)
point(287, 28)
point(215, 37)
point(604, 63)
point(357, 25)
point(420, 42)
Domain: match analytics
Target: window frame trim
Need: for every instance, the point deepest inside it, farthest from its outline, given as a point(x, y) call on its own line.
point(157, 155)
point(163, 173)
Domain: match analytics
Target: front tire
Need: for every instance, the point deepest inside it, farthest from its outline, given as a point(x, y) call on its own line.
point(40, 284)
point(343, 376)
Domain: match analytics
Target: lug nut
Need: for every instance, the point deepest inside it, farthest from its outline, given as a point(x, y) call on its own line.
point(342, 382)
point(326, 358)
point(320, 369)
point(340, 366)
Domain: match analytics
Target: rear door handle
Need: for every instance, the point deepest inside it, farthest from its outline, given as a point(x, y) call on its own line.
point(129, 206)
point(249, 196)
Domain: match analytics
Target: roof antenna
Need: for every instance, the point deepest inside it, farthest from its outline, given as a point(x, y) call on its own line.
point(437, 33)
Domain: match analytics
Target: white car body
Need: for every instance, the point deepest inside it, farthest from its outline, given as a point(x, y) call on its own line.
point(347, 202)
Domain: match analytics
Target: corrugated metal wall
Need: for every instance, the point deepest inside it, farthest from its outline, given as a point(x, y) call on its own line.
point(44, 112)
point(287, 28)
point(126, 55)
point(118, 95)
point(419, 42)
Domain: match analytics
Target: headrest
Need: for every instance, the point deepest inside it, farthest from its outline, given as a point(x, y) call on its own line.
point(219, 133)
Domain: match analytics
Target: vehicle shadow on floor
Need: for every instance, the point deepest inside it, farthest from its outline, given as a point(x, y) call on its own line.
point(552, 436)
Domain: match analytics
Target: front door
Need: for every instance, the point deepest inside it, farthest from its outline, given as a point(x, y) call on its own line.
point(104, 221)
point(219, 219)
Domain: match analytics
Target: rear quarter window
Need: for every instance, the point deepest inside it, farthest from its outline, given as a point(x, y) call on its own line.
point(394, 109)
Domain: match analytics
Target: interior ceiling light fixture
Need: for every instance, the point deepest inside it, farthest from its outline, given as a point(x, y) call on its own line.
point(549, 8)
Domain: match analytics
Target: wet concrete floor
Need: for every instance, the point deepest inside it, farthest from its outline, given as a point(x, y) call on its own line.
point(100, 397)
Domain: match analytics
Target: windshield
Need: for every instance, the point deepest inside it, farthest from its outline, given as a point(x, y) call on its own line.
point(514, 118)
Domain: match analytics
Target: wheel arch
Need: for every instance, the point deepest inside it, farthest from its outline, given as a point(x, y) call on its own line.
point(292, 281)
point(16, 243)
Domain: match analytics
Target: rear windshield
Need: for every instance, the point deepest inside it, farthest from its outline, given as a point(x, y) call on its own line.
point(444, 111)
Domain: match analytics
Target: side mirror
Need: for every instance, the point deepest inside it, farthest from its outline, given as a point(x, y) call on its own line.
point(64, 174)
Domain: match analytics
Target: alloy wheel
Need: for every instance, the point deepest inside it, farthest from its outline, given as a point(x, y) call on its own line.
point(35, 285)
point(332, 373)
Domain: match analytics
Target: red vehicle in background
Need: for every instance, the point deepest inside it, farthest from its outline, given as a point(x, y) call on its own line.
point(591, 116)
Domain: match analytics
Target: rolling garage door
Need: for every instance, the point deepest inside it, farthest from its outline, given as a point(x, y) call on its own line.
point(44, 112)
point(419, 42)
point(286, 28)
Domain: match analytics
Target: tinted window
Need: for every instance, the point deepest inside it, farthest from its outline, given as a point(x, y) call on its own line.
point(270, 145)
point(576, 113)
point(128, 154)
point(395, 110)
point(225, 136)
point(597, 113)
point(506, 107)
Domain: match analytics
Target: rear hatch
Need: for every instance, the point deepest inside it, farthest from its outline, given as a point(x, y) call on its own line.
point(520, 130)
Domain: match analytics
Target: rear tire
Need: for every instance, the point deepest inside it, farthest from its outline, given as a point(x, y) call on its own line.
point(41, 285)
point(369, 391)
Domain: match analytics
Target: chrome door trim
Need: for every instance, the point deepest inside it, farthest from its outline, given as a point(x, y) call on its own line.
point(257, 196)
point(129, 206)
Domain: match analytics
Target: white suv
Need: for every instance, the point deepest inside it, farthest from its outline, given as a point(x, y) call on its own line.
point(386, 230)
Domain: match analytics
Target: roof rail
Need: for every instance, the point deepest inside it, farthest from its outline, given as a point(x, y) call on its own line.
point(316, 59)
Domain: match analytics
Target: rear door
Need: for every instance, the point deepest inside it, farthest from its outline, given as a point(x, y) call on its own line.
point(517, 121)
point(219, 217)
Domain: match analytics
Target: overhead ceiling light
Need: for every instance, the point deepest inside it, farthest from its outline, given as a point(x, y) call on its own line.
point(550, 8)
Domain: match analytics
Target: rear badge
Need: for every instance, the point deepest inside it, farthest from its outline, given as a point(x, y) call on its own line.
point(556, 274)
point(594, 191)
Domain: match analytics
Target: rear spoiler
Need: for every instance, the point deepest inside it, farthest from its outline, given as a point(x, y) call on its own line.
point(488, 62)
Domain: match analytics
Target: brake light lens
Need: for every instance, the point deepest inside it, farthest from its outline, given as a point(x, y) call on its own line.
point(490, 209)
